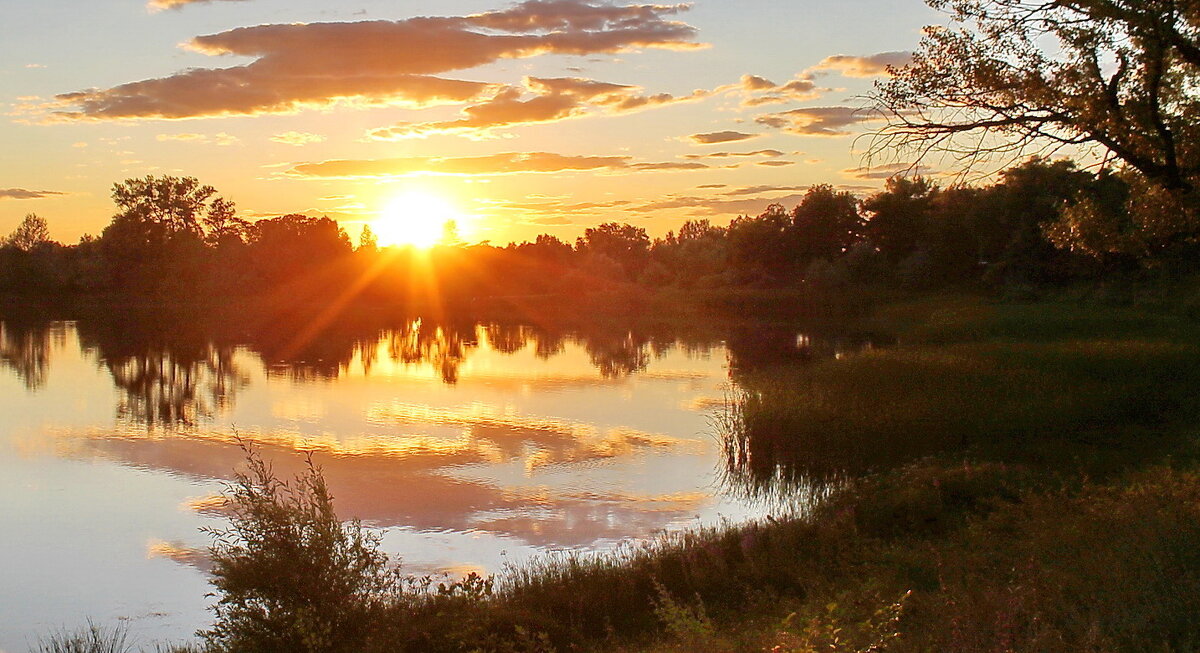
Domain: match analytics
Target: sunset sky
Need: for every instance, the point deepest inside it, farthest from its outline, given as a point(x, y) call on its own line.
point(544, 116)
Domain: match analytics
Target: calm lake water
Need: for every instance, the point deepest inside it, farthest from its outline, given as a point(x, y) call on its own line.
point(469, 445)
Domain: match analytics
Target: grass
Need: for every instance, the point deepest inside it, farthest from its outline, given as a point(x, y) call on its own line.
point(1007, 477)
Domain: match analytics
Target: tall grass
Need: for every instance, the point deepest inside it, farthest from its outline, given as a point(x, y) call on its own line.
point(1058, 386)
point(1007, 478)
point(90, 639)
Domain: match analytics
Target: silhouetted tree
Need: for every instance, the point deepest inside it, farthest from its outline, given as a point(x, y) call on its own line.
point(367, 241)
point(759, 247)
point(1017, 76)
point(624, 244)
point(292, 246)
point(32, 232)
point(825, 224)
point(157, 238)
point(897, 218)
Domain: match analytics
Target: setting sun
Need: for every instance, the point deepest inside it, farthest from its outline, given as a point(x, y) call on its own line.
point(418, 219)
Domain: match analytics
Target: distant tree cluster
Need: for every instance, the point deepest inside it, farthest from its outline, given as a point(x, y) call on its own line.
point(1040, 222)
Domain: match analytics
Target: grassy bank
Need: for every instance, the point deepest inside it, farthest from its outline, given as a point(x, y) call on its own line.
point(1007, 476)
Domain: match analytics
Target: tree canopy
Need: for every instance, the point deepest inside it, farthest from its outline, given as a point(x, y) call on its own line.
point(1015, 77)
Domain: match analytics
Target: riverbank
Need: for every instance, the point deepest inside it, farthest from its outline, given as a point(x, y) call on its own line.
point(1005, 476)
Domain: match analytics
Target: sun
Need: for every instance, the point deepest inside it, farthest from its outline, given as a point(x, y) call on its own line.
point(418, 219)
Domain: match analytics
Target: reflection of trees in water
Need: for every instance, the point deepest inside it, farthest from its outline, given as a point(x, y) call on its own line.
point(444, 346)
point(25, 348)
point(167, 373)
point(770, 428)
point(160, 387)
point(618, 355)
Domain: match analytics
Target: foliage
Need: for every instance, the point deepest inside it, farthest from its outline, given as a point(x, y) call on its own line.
point(31, 233)
point(1015, 76)
point(290, 574)
point(154, 210)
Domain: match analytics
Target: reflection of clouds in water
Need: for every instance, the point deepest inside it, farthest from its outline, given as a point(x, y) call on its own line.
point(704, 404)
point(181, 553)
point(425, 482)
point(298, 409)
point(212, 503)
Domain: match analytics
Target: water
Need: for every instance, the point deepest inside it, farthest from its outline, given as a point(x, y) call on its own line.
point(469, 445)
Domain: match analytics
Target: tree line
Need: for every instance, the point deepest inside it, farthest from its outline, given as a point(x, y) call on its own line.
point(1041, 222)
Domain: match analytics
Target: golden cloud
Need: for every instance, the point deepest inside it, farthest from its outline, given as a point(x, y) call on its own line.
point(297, 138)
point(493, 164)
point(219, 139)
point(554, 99)
point(507, 163)
point(159, 5)
point(816, 121)
point(725, 155)
point(875, 65)
point(377, 62)
point(757, 91)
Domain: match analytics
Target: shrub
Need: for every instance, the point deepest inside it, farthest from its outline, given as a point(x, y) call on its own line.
point(291, 575)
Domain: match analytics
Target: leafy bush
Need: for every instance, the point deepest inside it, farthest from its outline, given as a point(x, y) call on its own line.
point(291, 575)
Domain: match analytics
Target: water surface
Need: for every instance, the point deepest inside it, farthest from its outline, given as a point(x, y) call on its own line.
point(470, 445)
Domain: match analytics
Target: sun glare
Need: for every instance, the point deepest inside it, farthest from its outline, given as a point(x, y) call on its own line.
point(418, 219)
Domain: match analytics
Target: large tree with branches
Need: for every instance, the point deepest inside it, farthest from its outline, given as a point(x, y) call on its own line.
point(1012, 78)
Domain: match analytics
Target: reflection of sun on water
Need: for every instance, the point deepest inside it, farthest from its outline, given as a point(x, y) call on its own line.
point(418, 219)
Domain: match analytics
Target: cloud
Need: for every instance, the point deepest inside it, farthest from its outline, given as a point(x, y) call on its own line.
point(875, 65)
point(672, 165)
point(554, 99)
point(816, 121)
point(508, 163)
point(222, 138)
point(724, 155)
point(758, 190)
point(156, 6)
point(297, 138)
point(888, 171)
point(377, 62)
point(758, 91)
point(756, 83)
point(716, 205)
point(713, 138)
point(494, 164)
point(776, 163)
point(23, 194)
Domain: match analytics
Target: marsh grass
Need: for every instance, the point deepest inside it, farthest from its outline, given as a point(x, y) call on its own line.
point(1006, 478)
point(1061, 386)
point(89, 639)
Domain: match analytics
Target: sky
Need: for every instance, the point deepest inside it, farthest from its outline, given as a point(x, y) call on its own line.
point(511, 118)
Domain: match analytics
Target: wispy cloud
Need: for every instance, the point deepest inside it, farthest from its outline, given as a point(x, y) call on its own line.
point(221, 138)
point(889, 170)
point(816, 121)
point(377, 62)
point(508, 163)
point(493, 164)
point(297, 138)
point(159, 5)
point(23, 194)
point(713, 138)
point(724, 155)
